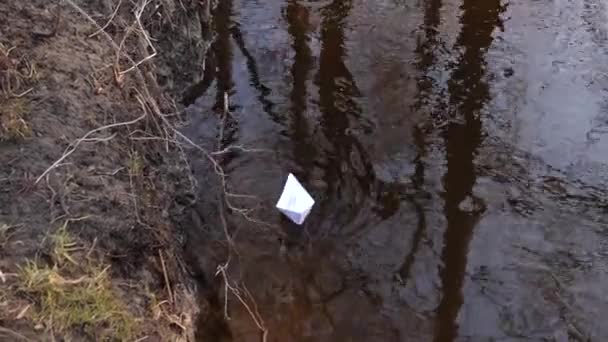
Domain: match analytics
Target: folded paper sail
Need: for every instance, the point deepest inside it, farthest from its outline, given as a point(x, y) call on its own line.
point(295, 202)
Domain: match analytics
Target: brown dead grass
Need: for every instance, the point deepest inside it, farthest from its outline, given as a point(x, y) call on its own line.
point(13, 124)
point(16, 74)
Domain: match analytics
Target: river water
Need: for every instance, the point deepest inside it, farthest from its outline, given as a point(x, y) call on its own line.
point(457, 151)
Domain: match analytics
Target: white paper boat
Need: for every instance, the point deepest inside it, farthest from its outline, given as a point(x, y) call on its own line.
point(295, 202)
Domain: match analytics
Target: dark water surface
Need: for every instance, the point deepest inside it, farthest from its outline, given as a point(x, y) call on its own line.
point(457, 151)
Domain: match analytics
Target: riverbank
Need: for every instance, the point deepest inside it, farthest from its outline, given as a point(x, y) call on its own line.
point(90, 170)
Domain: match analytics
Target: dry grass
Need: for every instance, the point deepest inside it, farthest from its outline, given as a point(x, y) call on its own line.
point(136, 164)
point(15, 76)
point(16, 73)
point(64, 244)
point(6, 232)
point(70, 295)
point(13, 124)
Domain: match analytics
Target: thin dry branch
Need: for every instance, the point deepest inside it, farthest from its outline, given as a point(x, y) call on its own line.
point(104, 27)
point(255, 315)
point(73, 146)
point(241, 148)
point(102, 31)
point(138, 14)
point(116, 47)
point(23, 93)
point(223, 203)
point(166, 276)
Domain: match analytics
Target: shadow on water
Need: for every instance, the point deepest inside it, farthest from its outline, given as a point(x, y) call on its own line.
point(222, 51)
point(208, 62)
point(421, 226)
point(304, 150)
point(211, 325)
point(468, 94)
point(348, 172)
point(425, 51)
point(254, 75)
point(218, 62)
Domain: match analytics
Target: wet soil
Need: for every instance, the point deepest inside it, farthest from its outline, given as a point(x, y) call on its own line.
point(457, 154)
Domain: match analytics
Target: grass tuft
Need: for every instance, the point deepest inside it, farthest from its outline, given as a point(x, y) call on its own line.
point(63, 245)
point(13, 125)
point(136, 164)
point(71, 295)
point(6, 232)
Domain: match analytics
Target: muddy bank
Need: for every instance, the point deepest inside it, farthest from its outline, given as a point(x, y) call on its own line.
point(456, 151)
point(89, 172)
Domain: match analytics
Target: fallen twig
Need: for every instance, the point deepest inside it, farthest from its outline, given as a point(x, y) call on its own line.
point(138, 15)
point(257, 319)
point(23, 93)
point(2, 276)
point(241, 148)
point(166, 276)
point(77, 142)
point(23, 312)
point(89, 18)
point(102, 31)
point(103, 28)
